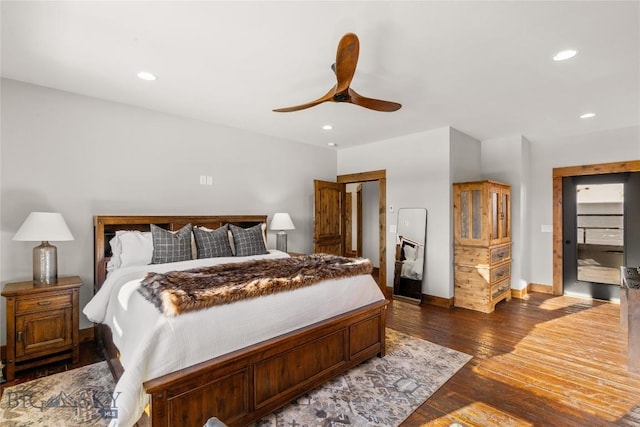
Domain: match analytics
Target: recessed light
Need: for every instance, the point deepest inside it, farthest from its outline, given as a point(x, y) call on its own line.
point(332, 144)
point(145, 75)
point(587, 115)
point(565, 54)
point(327, 127)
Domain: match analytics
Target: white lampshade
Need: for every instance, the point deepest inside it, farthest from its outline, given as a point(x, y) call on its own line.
point(281, 221)
point(43, 227)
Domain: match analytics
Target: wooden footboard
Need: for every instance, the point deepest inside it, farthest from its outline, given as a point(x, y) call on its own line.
point(245, 385)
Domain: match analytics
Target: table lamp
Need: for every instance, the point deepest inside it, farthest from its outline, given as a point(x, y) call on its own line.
point(44, 227)
point(281, 221)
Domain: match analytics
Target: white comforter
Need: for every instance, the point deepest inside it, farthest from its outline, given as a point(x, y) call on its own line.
point(152, 344)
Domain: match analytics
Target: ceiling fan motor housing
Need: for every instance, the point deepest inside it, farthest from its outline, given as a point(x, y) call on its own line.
point(341, 97)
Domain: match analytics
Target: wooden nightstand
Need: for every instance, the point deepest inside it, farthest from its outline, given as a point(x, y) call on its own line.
point(42, 323)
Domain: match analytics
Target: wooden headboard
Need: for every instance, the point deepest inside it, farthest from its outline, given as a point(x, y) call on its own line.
point(105, 227)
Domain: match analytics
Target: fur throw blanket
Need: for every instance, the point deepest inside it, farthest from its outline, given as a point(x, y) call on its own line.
point(176, 292)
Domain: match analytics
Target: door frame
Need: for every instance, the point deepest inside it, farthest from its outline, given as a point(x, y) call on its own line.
point(359, 221)
point(558, 174)
point(381, 177)
point(348, 222)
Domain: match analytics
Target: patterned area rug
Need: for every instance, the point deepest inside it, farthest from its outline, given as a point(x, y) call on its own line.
point(379, 392)
point(79, 397)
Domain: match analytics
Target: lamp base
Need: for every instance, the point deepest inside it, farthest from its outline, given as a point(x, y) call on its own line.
point(45, 264)
point(281, 241)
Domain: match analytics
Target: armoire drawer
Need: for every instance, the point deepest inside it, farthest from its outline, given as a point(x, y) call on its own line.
point(500, 288)
point(499, 254)
point(500, 273)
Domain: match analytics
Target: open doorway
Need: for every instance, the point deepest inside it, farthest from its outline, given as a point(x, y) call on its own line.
point(353, 220)
point(362, 236)
point(330, 219)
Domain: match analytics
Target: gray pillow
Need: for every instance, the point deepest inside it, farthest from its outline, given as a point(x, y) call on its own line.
point(171, 247)
point(248, 241)
point(212, 243)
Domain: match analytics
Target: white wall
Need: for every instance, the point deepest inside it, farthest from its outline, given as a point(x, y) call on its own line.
point(465, 161)
point(417, 168)
point(599, 147)
point(82, 157)
point(525, 213)
point(371, 222)
point(465, 164)
point(507, 160)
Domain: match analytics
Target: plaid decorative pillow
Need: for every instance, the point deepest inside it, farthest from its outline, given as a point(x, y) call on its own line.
point(212, 243)
point(248, 241)
point(171, 247)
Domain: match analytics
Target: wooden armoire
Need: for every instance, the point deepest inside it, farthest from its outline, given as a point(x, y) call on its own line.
point(482, 244)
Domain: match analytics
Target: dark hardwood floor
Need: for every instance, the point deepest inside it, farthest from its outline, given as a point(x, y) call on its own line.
point(544, 361)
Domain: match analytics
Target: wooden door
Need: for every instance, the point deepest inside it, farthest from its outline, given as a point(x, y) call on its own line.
point(329, 228)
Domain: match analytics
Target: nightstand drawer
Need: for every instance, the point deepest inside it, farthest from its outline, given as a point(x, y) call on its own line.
point(43, 302)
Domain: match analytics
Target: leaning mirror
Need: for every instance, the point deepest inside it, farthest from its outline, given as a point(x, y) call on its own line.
point(410, 253)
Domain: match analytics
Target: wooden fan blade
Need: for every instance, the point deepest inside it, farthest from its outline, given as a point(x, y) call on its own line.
point(346, 61)
point(326, 97)
point(345, 68)
point(371, 103)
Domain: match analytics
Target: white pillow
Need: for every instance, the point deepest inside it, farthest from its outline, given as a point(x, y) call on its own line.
point(130, 247)
point(116, 248)
point(409, 253)
point(418, 265)
point(137, 248)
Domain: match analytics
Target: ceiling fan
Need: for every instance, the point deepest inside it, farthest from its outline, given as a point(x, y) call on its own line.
point(344, 69)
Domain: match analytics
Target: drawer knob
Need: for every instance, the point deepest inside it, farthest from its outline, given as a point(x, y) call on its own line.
point(44, 303)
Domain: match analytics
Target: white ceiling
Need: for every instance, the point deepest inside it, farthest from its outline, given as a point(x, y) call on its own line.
point(484, 68)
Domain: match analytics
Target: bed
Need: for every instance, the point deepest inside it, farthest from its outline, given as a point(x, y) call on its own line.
point(252, 357)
